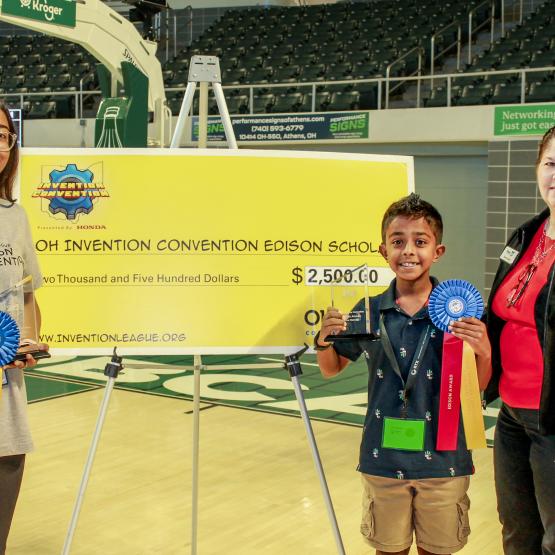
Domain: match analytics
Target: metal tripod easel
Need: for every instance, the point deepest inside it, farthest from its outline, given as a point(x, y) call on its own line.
point(203, 70)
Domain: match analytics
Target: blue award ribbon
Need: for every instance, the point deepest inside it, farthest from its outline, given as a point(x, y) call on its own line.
point(454, 299)
point(9, 338)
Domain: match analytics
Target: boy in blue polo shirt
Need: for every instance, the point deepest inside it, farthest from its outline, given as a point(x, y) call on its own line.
point(406, 490)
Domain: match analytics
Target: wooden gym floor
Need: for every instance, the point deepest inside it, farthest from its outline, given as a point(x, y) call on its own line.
point(259, 492)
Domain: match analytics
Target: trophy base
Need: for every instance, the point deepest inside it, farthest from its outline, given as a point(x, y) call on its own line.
point(352, 336)
point(36, 354)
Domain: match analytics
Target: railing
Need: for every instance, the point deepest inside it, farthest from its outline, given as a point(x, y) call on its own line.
point(388, 79)
point(513, 11)
point(458, 42)
point(81, 81)
point(470, 30)
point(380, 82)
point(77, 95)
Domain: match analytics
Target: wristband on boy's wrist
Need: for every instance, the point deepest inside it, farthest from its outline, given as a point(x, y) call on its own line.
point(317, 346)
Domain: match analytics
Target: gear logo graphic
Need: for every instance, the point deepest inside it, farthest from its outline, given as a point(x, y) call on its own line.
point(70, 192)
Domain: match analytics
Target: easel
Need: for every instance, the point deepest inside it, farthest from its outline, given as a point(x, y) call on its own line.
point(206, 70)
point(203, 70)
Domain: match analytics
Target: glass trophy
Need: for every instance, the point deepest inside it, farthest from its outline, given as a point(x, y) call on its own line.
point(19, 322)
point(350, 296)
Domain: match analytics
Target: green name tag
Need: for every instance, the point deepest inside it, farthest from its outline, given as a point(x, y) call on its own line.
point(400, 433)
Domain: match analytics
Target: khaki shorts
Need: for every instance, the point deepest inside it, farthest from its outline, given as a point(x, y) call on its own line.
point(435, 509)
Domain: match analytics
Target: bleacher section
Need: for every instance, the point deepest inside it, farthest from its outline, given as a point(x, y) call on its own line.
point(317, 55)
point(46, 65)
point(333, 42)
point(528, 45)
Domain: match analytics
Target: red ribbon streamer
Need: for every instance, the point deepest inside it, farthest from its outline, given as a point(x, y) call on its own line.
point(450, 394)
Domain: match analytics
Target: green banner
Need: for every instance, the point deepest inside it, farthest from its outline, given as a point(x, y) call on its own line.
point(523, 120)
point(56, 12)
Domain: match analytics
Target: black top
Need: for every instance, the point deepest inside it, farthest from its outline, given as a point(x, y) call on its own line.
point(387, 391)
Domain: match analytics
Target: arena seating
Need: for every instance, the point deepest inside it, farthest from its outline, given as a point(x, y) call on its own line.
point(527, 45)
point(334, 42)
point(301, 48)
point(44, 64)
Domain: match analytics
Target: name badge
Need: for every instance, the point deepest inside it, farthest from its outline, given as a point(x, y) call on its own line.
point(508, 255)
point(402, 433)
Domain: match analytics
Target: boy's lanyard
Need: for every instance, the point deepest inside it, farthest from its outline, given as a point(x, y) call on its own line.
point(415, 364)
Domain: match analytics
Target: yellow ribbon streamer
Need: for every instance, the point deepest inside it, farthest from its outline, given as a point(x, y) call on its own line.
point(471, 403)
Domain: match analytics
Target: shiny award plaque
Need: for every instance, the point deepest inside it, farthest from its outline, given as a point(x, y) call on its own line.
point(350, 296)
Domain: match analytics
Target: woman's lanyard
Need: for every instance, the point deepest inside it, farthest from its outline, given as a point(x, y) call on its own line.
point(415, 364)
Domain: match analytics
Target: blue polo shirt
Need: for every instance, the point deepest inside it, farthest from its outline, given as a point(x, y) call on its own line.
point(405, 392)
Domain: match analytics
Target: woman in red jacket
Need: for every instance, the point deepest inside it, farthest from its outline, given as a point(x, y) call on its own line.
point(521, 318)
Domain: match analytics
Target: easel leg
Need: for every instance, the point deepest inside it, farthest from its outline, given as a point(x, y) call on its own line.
point(318, 464)
point(88, 466)
point(224, 114)
point(196, 447)
point(183, 114)
point(203, 115)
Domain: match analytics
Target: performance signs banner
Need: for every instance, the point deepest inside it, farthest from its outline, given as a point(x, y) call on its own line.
point(201, 251)
point(292, 128)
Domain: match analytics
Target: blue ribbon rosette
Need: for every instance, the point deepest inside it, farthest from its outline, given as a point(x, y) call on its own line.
point(9, 338)
point(454, 299)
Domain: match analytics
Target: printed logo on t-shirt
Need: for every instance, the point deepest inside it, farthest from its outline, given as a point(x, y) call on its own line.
point(8, 257)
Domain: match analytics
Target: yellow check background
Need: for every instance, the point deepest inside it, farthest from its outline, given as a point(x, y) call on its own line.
point(194, 195)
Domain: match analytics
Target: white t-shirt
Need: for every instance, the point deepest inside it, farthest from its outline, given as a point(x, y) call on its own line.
point(17, 260)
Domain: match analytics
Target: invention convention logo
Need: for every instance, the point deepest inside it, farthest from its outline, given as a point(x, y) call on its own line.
point(70, 192)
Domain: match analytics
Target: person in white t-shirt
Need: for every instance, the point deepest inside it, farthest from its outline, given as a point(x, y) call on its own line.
point(18, 261)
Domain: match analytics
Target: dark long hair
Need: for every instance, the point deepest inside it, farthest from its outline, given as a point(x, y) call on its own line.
point(7, 177)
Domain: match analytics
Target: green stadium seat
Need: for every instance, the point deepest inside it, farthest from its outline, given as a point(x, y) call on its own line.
point(41, 110)
point(167, 76)
point(10, 60)
point(340, 101)
point(285, 103)
point(474, 95)
point(288, 74)
point(543, 91)
point(263, 103)
point(504, 78)
point(543, 59)
point(60, 81)
point(13, 82)
point(233, 76)
point(23, 39)
point(437, 98)
point(36, 81)
point(258, 75)
point(316, 72)
point(506, 94)
point(238, 104)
